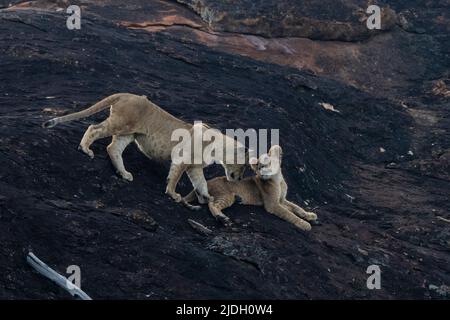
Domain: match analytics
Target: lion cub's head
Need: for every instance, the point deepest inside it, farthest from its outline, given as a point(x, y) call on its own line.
point(268, 166)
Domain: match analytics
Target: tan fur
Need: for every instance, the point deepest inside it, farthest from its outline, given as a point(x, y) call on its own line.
point(263, 189)
point(135, 118)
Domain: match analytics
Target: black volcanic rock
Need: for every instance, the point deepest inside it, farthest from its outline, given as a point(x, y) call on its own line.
point(322, 20)
point(131, 241)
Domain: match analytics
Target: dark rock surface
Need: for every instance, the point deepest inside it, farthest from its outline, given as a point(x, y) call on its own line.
point(376, 172)
point(320, 20)
point(343, 20)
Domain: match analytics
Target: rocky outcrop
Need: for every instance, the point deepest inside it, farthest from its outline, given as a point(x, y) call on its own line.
point(343, 20)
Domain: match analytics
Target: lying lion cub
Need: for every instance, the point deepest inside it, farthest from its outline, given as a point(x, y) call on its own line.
point(136, 119)
point(267, 189)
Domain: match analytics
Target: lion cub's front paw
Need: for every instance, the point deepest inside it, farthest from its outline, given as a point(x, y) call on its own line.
point(127, 176)
point(303, 225)
point(87, 151)
point(176, 197)
point(311, 216)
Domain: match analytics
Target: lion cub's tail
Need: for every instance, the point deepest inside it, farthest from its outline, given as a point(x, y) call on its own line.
point(99, 106)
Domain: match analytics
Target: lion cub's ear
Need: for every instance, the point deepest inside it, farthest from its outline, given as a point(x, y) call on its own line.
point(276, 152)
point(253, 163)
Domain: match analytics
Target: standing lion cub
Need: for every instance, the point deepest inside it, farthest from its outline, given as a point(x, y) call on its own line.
point(267, 188)
point(134, 118)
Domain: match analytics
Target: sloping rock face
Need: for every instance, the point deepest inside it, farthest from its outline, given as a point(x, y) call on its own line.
point(324, 20)
point(343, 20)
point(399, 61)
point(375, 169)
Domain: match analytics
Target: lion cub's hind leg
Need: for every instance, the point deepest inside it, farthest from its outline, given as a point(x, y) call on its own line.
point(115, 150)
point(218, 205)
point(94, 132)
point(198, 180)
